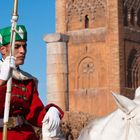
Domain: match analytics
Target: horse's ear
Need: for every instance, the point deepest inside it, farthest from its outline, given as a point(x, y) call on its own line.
point(137, 92)
point(125, 104)
point(137, 96)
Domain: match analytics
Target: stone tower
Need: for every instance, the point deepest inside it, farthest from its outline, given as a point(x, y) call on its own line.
point(100, 55)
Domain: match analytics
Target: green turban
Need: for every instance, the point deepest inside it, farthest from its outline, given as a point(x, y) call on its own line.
point(5, 34)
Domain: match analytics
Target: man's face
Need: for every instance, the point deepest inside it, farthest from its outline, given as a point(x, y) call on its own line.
point(19, 51)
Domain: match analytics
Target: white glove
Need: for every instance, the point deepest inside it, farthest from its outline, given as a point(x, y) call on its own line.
point(51, 123)
point(6, 66)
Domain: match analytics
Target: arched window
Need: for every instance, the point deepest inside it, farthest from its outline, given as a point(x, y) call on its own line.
point(125, 20)
point(138, 18)
point(133, 70)
point(86, 21)
point(86, 74)
point(132, 18)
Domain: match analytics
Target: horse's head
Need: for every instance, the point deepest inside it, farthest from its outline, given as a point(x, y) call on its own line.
point(126, 104)
point(130, 107)
point(126, 120)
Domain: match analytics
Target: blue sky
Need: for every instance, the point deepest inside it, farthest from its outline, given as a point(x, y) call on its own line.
point(39, 19)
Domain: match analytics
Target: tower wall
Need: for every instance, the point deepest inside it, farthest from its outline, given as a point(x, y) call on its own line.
point(102, 37)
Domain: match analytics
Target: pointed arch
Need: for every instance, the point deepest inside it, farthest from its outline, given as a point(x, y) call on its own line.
point(132, 17)
point(133, 69)
point(125, 20)
point(85, 72)
point(138, 18)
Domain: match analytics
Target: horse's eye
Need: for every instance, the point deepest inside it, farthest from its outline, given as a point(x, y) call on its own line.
point(123, 118)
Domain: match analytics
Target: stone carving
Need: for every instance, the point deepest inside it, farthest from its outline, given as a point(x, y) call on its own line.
point(80, 8)
point(85, 73)
point(83, 68)
point(87, 67)
point(132, 27)
point(133, 70)
point(131, 13)
point(132, 4)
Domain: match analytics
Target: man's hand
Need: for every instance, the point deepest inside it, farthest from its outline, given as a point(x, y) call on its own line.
point(6, 66)
point(51, 123)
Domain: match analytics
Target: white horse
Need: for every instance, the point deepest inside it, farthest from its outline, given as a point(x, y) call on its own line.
point(122, 124)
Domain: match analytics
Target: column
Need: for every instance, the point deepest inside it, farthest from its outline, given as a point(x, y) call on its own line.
point(57, 69)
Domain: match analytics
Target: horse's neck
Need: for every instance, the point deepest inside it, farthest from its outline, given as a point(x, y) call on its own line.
point(103, 123)
point(112, 116)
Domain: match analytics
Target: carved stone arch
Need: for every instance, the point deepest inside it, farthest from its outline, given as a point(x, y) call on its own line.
point(132, 16)
point(138, 17)
point(136, 71)
point(133, 69)
point(125, 20)
point(85, 73)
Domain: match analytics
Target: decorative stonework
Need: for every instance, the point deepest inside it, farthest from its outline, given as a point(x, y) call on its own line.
point(84, 70)
point(85, 73)
point(87, 67)
point(81, 53)
point(132, 4)
point(132, 13)
point(80, 8)
point(132, 64)
point(133, 69)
